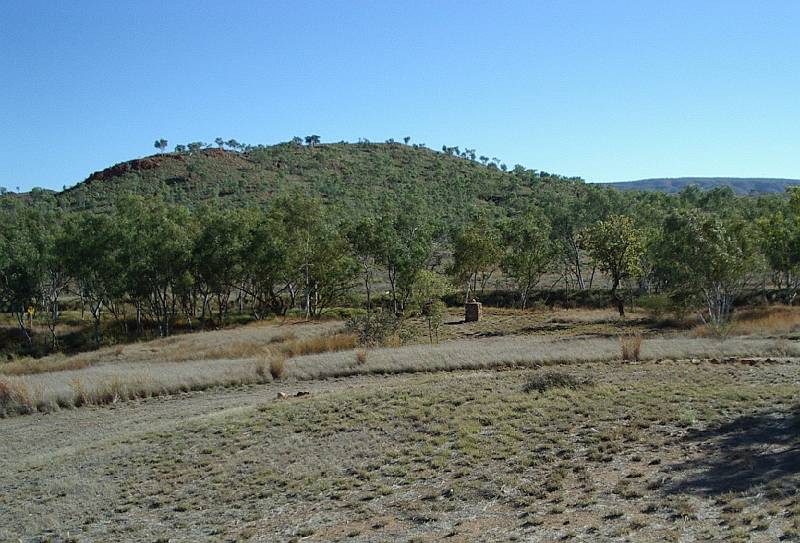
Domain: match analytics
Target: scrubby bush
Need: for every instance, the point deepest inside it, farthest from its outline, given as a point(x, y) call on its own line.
point(655, 305)
point(542, 382)
point(375, 329)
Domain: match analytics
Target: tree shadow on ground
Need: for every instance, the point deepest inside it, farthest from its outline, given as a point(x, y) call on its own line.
point(748, 452)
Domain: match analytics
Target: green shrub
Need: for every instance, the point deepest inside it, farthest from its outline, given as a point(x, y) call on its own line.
point(656, 305)
point(542, 382)
point(376, 330)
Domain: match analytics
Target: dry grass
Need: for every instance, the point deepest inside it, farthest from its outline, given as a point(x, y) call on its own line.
point(526, 351)
point(15, 398)
point(128, 377)
point(256, 340)
point(464, 456)
point(262, 353)
point(107, 383)
point(631, 347)
point(277, 367)
point(319, 344)
point(30, 366)
point(542, 382)
point(766, 321)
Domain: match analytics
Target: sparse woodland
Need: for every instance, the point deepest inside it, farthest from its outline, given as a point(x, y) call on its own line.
point(214, 235)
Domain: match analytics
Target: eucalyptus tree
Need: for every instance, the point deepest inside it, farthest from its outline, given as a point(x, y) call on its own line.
point(702, 258)
point(779, 243)
point(270, 278)
point(158, 241)
point(428, 291)
point(617, 246)
point(319, 254)
point(528, 251)
point(20, 267)
point(368, 245)
point(53, 276)
point(476, 254)
point(217, 257)
point(93, 252)
point(567, 206)
point(195, 146)
point(405, 238)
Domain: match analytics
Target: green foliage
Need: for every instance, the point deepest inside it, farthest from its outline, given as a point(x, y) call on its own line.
point(542, 382)
point(528, 252)
point(157, 243)
point(617, 247)
point(476, 254)
point(320, 260)
point(429, 289)
point(218, 256)
point(779, 242)
point(296, 228)
point(397, 242)
point(374, 330)
point(656, 305)
point(701, 256)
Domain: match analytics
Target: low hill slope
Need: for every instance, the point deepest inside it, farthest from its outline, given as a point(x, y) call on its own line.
point(353, 176)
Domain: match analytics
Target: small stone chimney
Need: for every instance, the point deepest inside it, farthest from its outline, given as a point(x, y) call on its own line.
point(473, 311)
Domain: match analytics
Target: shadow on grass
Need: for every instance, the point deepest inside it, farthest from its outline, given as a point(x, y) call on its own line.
point(748, 452)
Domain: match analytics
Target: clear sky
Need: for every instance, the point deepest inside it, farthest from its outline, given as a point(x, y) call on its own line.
point(605, 90)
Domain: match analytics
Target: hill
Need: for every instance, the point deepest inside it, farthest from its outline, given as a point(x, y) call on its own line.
point(354, 176)
point(742, 186)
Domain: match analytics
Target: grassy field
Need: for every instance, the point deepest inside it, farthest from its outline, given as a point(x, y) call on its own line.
point(504, 431)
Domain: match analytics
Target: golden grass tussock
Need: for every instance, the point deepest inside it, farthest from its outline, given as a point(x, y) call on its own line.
point(30, 366)
point(289, 336)
point(277, 367)
point(631, 347)
point(768, 321)
point(763, 321)
point(319, 344)
point(15, 398)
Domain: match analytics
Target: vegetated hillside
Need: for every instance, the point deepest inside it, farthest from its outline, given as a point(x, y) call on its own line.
point(354, 177)
point(741, 185)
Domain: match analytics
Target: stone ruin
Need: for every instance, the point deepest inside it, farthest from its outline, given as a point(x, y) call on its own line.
point(473, 311)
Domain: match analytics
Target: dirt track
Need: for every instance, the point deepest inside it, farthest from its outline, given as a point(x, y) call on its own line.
point(40, 435)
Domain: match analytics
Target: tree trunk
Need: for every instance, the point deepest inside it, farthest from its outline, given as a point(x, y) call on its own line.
point(21, 322)
point(617, 299)
point(368, 288)
point(392, 279)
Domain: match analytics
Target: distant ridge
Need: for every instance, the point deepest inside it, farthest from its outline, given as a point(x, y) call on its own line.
point(740, 185)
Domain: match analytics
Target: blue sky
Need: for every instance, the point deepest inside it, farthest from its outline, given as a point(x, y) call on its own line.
point(607, 91)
